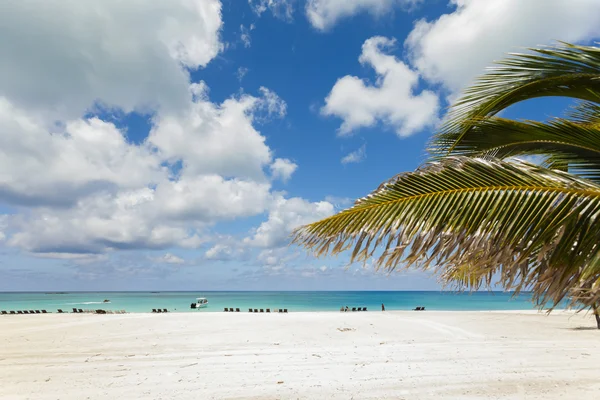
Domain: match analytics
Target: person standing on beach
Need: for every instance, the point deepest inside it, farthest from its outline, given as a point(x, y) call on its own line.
point(382, 307)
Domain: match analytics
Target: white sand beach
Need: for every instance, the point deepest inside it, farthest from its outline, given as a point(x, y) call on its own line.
point(372, 355)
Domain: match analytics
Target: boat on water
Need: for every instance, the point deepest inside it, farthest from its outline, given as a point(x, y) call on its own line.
point(201, 302)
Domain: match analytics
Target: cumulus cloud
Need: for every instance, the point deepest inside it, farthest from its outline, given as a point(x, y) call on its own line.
point(112, 194)
point(132, 55)
point(80, 187)
point(456, 47)
point(282, 168)
point(282, 9)
point(324, 14)
point(216, 139)
point(355, 156)
point(391, 100)
point(284, 216)
point(85, 156)
point(169, 258)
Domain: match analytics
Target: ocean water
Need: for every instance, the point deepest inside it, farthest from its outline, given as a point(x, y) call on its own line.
point(140, 302)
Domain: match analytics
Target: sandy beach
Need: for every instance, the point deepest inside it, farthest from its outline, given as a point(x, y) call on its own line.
point(372, 355)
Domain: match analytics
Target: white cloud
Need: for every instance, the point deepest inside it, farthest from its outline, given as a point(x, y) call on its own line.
point(86, 155)
point(282, 168)
point(458, 46)
point(245, 34)
point(210, 198)
point(226, 248)
point(324, 14)
point(241, 73)
point(126, 54)
point(217, 139)
point(173, 214)
point(284, 216)
point(169, 258)
point(116, 195)
point(273, 104)
point(282, 9)
point(355, 156)
point(80, 186)
point(339, 202)
point(391, 100)
point(97, 224)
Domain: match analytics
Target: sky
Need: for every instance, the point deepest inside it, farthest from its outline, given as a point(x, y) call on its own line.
point(175, 144)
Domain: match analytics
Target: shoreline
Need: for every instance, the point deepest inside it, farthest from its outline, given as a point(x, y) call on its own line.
point(305, 355)
point(113, 312)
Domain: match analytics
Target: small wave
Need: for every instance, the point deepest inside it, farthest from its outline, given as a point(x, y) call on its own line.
point(86, 302)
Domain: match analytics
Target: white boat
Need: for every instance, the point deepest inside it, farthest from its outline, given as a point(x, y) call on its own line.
point(201, 302)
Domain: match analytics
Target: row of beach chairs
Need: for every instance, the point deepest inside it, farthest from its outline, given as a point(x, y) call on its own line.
point(354, 309)
point(257, 310)
point(23, 312)
point(158, 310)
point(87, 311)
point(419, 309)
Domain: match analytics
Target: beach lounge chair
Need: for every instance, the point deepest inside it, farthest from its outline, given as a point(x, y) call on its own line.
point(353, 308)
point(262, 310)
point(31, 312)
point(165, 310)
point(25, 312)
point(60, 311)
point(4, 312)
point(418, 309)
point(12, 312)
point(237, 310)
point(44, 312)
point(158, 310)
point(74, 310)
point(268, 310)
point(422, 308)
point(249, 310)
point(285, 310)
point(231, 309)
point(19, 312)
point(226, 309)
point(38, 312)
point(256, 310)
point(80, 310)
point(154, 310)
point(280, 310)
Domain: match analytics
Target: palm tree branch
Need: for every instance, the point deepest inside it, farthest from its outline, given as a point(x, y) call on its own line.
point(565, 70)
point(473, 218)
point(575, 145)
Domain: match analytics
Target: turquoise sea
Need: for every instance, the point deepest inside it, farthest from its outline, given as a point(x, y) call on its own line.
point(139, 302)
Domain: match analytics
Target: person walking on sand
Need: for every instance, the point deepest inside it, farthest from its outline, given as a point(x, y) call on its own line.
point(382, 307)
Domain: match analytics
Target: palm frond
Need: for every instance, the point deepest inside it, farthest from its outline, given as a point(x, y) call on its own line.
point(471, 218)
point(564, 70)
point(585, 112)
point(567, 145)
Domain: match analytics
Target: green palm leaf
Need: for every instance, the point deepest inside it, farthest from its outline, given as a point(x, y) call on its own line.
point(585, 112)
point(471, 219)
point(575, 145)
point(565, 70)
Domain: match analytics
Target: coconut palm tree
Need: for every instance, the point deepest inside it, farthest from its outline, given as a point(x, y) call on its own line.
point(473, 213)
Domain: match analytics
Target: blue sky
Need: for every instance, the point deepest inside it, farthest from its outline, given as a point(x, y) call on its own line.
point(174, 145)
